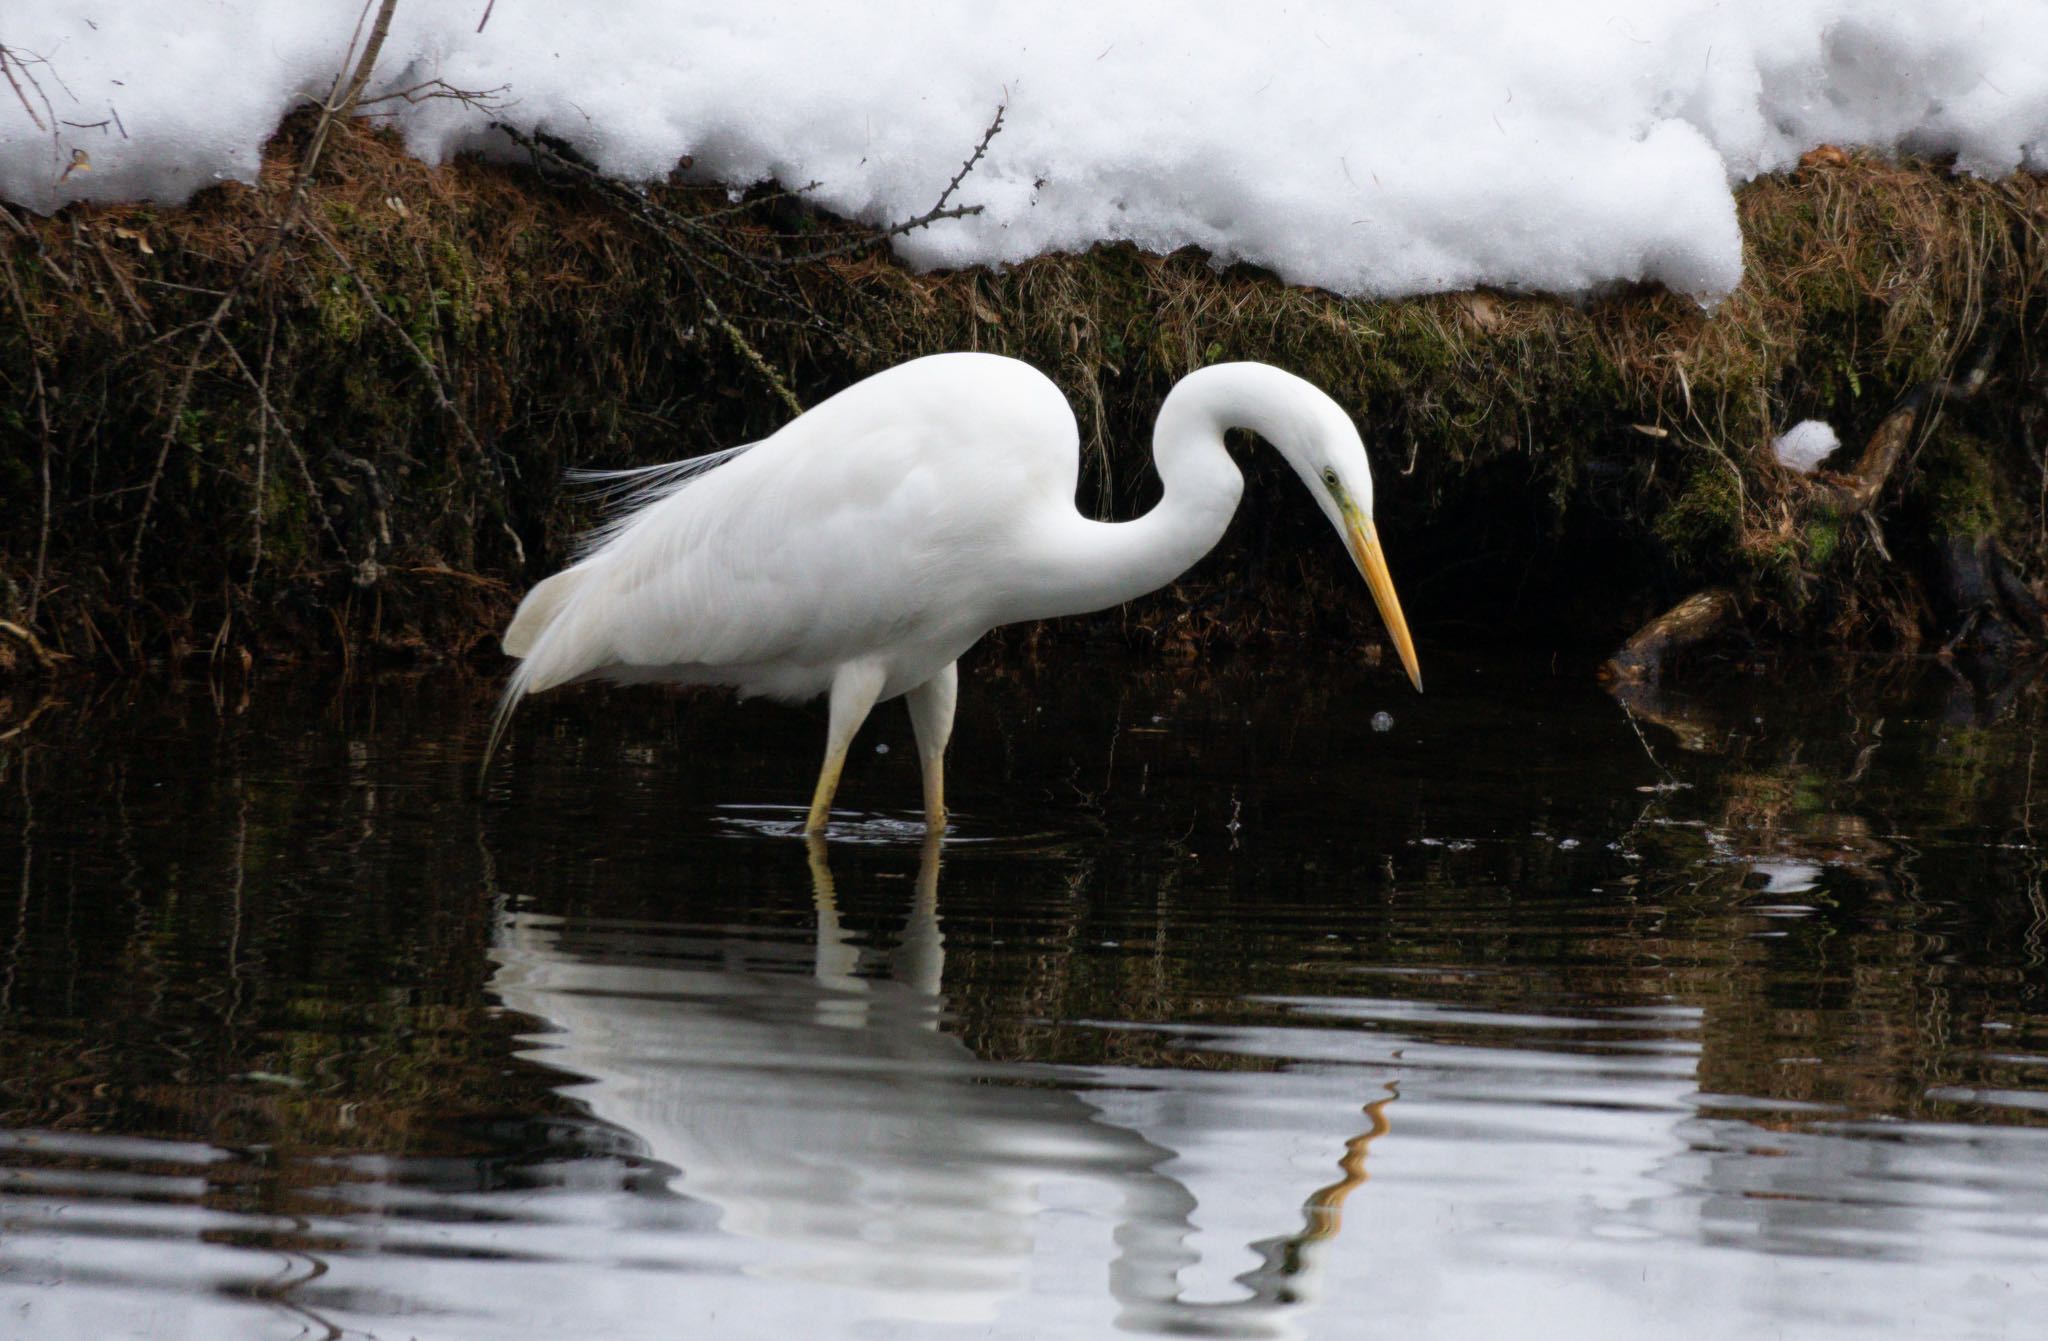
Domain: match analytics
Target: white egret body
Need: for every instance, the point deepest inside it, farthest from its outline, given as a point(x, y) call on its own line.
point(860, 549)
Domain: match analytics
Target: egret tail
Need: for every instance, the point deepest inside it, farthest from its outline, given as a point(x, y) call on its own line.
point(556, 641)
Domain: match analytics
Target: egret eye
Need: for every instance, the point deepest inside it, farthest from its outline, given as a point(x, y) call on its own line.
point(1329, 477)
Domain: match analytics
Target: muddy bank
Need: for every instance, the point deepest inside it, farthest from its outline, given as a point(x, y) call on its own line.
point(344, 438)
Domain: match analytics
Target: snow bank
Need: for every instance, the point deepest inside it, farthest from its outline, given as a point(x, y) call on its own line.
point(1377, 148)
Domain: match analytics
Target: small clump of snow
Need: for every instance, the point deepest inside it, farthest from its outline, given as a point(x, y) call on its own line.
point(1805, 445)
point(1384, 148)
point(1786, 875)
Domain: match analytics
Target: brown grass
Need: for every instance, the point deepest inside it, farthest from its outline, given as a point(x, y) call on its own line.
point(1626, 434)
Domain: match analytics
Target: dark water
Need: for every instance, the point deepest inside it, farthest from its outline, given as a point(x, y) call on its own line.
point(1222, 1013)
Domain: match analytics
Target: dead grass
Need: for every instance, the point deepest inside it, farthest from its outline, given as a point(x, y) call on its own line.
point(1633, 423)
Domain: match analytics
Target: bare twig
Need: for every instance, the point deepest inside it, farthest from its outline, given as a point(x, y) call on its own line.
point(455, 575)
point(262, 455)
point(262, 389)
point(939, 210)
point(210, 329)
point(120, 278)
point(751, 203)
point(880, 236)
point(11, 61)
point(488, 7)
point(480, 99)
point(994, 128)
point(483, 100)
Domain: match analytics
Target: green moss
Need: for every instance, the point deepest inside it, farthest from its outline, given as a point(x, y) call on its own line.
point(340, 310)
point(1703, 522)
point(1823, 536)
point(1959, 485)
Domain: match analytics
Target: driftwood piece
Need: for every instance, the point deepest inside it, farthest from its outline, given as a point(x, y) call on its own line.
point(1691, 622)
point(1859, 490)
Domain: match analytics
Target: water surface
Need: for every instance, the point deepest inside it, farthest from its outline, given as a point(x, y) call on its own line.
point(1222, 1012)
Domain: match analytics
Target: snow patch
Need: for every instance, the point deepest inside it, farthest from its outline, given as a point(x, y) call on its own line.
point(1381, 148)
point(1805, 445)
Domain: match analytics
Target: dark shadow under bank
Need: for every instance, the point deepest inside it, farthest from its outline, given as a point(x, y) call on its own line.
point(367, 462)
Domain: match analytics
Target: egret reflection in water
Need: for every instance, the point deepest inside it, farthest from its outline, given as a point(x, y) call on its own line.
point(810, 1093)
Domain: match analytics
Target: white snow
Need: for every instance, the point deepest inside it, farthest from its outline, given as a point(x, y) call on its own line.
point(1805, 445)
point(1370, 146)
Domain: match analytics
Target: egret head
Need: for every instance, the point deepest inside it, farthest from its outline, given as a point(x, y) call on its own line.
point(1330, 458)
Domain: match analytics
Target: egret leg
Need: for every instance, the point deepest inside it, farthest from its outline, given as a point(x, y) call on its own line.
point(854, 690)
point(931, 717)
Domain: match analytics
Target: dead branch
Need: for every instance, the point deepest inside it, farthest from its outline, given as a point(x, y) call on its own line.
point(28, 235)
point(1691, 622)
point(688, 237)
point(1858, 491)
point(455, 575)
point(368, 63)
point(483, 100)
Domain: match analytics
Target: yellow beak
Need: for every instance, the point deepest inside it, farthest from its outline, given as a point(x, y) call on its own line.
point(1372, 562)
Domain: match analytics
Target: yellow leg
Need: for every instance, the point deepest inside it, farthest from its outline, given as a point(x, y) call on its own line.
point(931, 716)
point(855, 688)
point(821, 798)
point(935, 794)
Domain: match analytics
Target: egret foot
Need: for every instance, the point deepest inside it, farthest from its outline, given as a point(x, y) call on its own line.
point(821, 799)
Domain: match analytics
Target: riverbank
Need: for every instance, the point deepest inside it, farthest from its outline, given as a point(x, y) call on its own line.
point(327, 417)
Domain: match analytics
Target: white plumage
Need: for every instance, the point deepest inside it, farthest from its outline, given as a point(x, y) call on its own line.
point(863, 547)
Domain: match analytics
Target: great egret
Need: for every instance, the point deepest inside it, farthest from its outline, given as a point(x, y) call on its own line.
point(861, 548)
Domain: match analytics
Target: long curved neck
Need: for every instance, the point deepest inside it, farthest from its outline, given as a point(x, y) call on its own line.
point(1084, 565)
